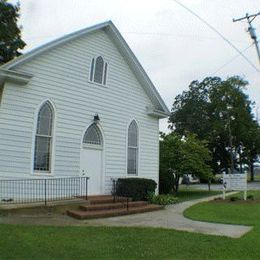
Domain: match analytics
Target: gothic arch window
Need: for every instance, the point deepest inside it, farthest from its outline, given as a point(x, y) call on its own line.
point(98, 70)
point(43, 138)
point(132, 149)
point(93, 136)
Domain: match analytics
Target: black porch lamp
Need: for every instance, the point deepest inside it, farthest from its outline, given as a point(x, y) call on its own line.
point(96, 118)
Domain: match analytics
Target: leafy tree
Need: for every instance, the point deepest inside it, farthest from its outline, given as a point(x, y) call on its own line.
point(181, 155)
point(220, 112)
point(10, 33)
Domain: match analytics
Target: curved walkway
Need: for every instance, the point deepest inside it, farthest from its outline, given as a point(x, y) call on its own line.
point(172, 218)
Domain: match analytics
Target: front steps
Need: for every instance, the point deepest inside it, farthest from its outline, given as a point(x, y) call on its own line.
point(104, 206)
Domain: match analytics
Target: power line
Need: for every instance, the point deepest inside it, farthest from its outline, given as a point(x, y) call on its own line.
point(218, 33)
point(231, 60)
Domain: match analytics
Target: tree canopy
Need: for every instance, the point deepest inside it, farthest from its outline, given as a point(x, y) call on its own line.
point(219, 112)
point(181, 155)
point(10, 32)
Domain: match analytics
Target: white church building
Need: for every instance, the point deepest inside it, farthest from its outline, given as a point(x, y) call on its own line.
point(81, 105)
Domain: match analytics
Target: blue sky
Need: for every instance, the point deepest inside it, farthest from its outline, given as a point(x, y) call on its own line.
point(173, 46)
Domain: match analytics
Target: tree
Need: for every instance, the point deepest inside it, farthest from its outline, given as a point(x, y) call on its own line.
point(181, 155)
point(219, 112)
point(10, 33)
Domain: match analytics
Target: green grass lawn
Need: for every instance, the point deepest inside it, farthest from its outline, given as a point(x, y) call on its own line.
point(188, 193)
point(239, 212)
point(32, 242)
point(38, 242)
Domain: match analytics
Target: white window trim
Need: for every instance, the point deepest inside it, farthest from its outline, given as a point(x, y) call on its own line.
point(53, 140)
point(89, 76)
point(138, 149)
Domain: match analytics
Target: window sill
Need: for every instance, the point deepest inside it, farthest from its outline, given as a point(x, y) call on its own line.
point(98, 84)
point(42, 174)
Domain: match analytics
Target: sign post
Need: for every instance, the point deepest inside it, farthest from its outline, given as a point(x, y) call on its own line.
point(236, 182)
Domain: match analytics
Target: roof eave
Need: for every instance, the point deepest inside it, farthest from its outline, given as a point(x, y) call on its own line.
point(157, 113)
point(14, 76)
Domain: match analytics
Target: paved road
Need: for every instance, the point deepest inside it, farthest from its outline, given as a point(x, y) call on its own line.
point(250, 186)
point(172, 218)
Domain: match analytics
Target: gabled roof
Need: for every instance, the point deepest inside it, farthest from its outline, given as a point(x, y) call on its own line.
point(121, 44)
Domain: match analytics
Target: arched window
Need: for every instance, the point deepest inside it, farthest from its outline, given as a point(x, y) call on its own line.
point(43, 138)
point(132, 153)
point(98, 70)
point(93, 135)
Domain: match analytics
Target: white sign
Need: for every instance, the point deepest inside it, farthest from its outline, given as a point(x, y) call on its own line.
point(236, 182)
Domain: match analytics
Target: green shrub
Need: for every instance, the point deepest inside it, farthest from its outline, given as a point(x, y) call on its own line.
point(136, 188)
point(162, 199)
point(250, 197)
point(234, 198)
point(166, 181)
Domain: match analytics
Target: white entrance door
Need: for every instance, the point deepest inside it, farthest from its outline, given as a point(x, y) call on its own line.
point(91, 159)
point(91, 166)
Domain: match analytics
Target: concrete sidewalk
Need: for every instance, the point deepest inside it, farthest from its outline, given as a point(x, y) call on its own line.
point(172, 218)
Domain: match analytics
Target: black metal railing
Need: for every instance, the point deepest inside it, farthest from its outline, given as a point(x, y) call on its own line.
point(114, 194)
point(14, 191)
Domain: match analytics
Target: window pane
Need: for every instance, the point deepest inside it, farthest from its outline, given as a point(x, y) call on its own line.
point(132, 134)
point(132, 161)
point(42, 153)
point(93, 136)
point(99, 70)
point(105, 74)
point(44, 124)
point(92, 70)
point(132, 148)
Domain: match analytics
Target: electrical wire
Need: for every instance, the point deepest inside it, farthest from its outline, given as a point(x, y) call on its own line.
point(232, 59)
point(218, 33)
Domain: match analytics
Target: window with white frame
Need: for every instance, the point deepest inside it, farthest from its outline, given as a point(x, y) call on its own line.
point(43, 139)
point(93, 136)
point(132, 150)
point(98, 71)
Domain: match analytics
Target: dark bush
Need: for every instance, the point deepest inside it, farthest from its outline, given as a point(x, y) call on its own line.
point(166, 182)
point(136, 188)
point(234, 198)
point(250, 197)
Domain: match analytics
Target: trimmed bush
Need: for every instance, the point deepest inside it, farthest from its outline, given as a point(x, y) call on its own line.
point(250, 197)
point(234, 198)
point(136, 188)
point(162, 199)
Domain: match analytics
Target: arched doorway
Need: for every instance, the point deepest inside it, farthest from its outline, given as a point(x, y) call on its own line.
point(91, 158)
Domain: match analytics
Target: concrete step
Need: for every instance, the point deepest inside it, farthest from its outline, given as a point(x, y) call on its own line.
point(83, 214)
point(116, 205)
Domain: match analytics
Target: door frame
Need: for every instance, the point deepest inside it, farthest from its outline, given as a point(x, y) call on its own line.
point(82, 146)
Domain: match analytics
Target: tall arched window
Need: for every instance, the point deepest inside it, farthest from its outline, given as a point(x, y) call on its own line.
point(98, 70)
point(43, 139)
point(132, 153)
point(93, 135)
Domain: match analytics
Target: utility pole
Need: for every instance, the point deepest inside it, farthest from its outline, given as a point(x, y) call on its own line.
point(251, 29)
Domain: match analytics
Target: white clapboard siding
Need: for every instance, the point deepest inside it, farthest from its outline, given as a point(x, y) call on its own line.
point(62, 75)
